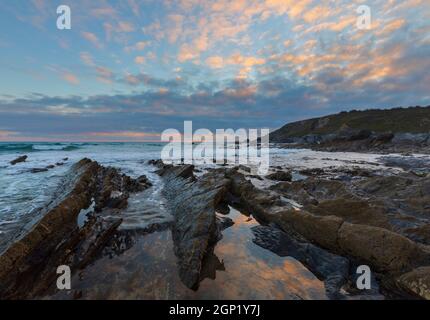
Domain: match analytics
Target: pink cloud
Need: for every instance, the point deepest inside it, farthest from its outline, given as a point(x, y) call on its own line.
point(91, 37)
point(70, 78)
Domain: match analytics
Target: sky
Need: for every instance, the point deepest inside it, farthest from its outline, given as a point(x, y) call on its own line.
point(127, 70)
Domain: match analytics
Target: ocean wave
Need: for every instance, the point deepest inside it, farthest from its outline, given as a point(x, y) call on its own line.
point(34, 147)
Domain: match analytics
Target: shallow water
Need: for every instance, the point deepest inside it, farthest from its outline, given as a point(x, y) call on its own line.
point(244, 271)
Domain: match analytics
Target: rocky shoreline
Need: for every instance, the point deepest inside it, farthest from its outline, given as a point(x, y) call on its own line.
point(397, 130)
point(331, 220)
point(362, 141)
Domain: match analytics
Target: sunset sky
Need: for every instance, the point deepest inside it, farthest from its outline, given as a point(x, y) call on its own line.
point(129, 69)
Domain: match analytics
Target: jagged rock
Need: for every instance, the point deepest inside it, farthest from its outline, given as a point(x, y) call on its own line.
point(359, 135)
point(195, 229)
point(223, 208)
point(383, 138)
point(244, 168)
point(406, 163)
point(115, 188)
point(382, 249)
point(37, 170)
point(28, 266)
point(224, 222)
point(386, 251)
point(294, 191)
point(353, 211)
point(143, 180)
point(320, 230)
point(420, 233)
point(313, 190)
point(416, 282)
point(404, 194)
point(262, 204)
point(312, 172)
point(157, 163)
point(280, 176)
point(18, 160)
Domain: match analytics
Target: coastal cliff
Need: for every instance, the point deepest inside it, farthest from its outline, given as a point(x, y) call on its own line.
point(380, 131)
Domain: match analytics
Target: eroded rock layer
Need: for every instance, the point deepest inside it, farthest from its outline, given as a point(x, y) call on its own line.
point(28, 267)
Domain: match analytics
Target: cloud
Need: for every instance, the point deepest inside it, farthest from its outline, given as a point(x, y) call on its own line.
point(215, 62)
point(139, 60)
point(104, 75)
point(391, 26)
point(102, 12)
point(124, 26)
point(138, 46)
point(123, 134)
point(221, 62)
point(87, 59)
point(5, 134)
point(91, 37)
point(71, 78)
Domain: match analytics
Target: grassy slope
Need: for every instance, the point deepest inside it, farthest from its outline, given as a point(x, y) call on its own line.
point(413, 120)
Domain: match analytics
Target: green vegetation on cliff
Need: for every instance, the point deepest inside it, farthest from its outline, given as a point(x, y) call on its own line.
point(412, 120)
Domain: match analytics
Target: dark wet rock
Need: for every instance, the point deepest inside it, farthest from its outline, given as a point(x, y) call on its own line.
point(114, 188)
point(395, 202)
point(223, 208)
point(353, 211)
point(59, 164)
point(404, 194)
point(376, 291)
point(116, 200)
point(195, 229)
point(420, 233)
point(28, 266)
point(359, 135)
point(382, 138)
point(254, 176)
point(312, 172)
point(312, 190)
point(386, 251)
point(317, 229)
point(330, 268)
point(416, 282)
point(244, 168)
point(224, 222)
point(210, 265)
point(407, 163)
point(294, 191)
point(356, 172)
point(262, 204)
point(18, 160)
point(156, 163)
point(37, 170)
point(143, 180)
point(94, 237)
point(65, 159)
point(280, 176)
point(382, 249)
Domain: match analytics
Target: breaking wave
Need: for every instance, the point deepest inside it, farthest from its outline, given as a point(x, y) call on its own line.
point(34, 147)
